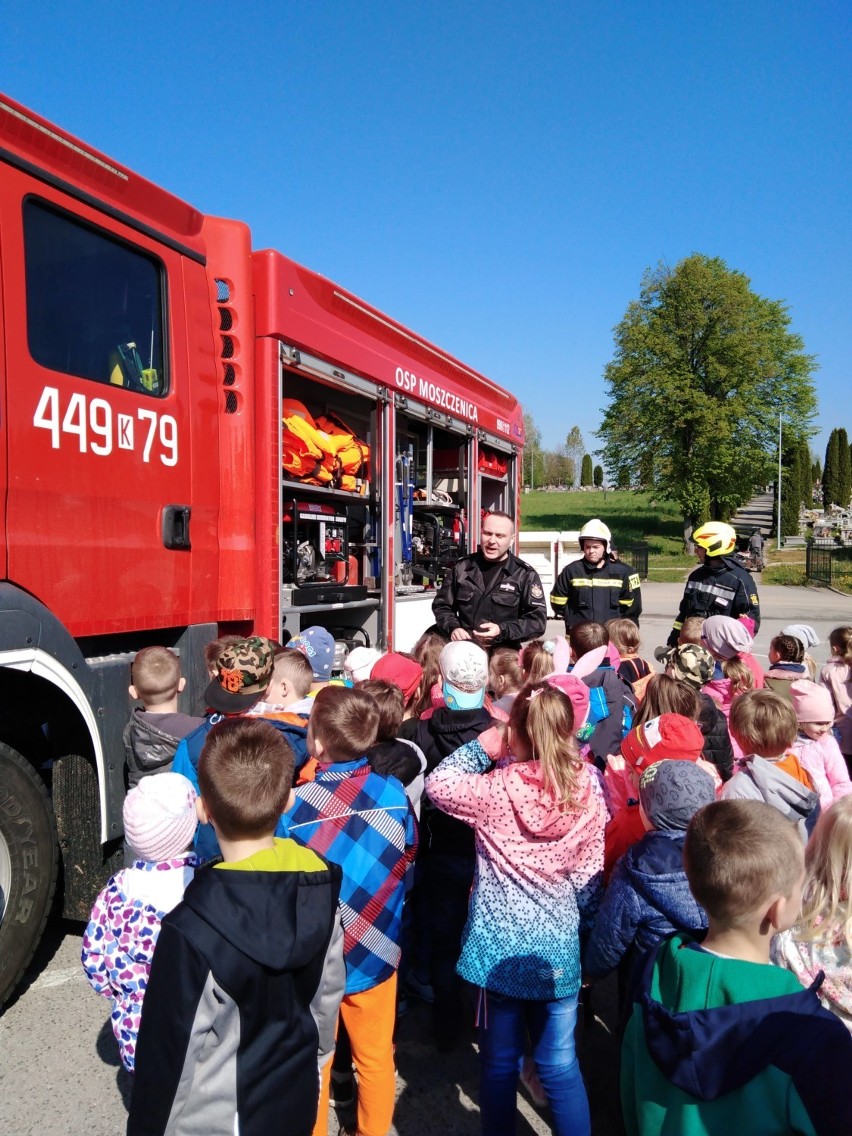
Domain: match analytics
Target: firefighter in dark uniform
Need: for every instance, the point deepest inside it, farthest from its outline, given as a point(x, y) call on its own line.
point(719, 585)
point(491, 596)
point(596, 587)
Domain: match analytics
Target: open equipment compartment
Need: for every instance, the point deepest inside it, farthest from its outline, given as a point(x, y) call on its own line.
point(330, 558)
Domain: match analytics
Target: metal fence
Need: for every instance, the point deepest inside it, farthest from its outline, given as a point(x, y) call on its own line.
point(827, 563)
point(636, 555)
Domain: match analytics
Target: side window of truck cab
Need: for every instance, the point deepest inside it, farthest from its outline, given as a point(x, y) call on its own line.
point(95, 305)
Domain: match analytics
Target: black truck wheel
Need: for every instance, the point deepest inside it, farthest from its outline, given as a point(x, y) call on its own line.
point(27, 865)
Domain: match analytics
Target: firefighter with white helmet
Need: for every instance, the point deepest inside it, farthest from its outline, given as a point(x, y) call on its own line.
point(719, 585)
point(596, 587)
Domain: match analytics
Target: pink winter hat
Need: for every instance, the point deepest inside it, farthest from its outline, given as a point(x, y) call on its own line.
point(159, 816)
point(811, 702)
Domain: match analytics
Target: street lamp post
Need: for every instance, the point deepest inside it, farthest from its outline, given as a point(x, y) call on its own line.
point(778, 507)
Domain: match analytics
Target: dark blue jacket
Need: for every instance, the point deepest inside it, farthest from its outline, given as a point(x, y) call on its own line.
point(648, 898)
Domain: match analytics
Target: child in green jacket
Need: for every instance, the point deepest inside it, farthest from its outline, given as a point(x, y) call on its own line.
point(719, 1040)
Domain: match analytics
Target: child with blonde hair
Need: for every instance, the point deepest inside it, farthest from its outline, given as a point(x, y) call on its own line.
point(536, 660)
point(821, 940)
point(538, 819)
point(505, 677)
point(624, 635)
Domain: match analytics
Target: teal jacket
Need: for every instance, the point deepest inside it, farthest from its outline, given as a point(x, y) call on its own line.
point(720, 1046)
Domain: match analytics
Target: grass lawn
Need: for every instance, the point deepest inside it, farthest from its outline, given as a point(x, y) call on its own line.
point(630, 516)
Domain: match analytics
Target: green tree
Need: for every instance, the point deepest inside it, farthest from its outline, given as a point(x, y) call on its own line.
point(586, 474)
point(597, 476)
point(702, 368)
point(532, 448)
point(844, 477)
point(831, 472)
point(804, 476)
point(816, 472)
point(623, 477)
point(575, 447)
point(791, 487)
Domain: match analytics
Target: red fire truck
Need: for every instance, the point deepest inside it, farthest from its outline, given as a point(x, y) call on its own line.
point(195, 438)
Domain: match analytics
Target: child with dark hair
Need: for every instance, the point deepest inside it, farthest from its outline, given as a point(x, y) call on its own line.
point(787, 664)
point(719, 1041)
point(391, 755)
point(248, 972)
point(365, 823)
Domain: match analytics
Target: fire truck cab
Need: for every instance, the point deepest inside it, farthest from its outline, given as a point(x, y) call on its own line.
point(195, 437)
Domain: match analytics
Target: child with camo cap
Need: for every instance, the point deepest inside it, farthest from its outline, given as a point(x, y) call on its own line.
point(693, 664)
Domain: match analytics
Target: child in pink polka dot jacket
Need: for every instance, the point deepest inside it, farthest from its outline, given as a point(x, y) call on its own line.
point(159, 824)
point(538, 820)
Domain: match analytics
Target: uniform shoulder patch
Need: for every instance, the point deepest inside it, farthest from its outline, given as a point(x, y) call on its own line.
point(753, 598)
point(536, 591)
point(633, 582)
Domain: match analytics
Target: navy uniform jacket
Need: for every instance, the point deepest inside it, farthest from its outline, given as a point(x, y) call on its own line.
point(719, 586)
point(515, 601)
point(584, 591)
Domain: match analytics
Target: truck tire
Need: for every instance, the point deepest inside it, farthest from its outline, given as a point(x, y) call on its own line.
point(27, 865)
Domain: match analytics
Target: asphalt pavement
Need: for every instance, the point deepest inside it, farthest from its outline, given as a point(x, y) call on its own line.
point(59, 1069)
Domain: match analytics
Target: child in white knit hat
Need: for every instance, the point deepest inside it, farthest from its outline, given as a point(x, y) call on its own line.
point(159, 824)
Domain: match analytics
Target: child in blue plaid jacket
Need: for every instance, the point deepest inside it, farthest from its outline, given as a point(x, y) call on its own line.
point(365, 823)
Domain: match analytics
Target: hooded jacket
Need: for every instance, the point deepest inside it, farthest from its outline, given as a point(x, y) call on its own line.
point(648, 898)
point(151, 741)
point(538, 872)
point(721, 1046)
point(824, 762)
point(439, 735)
point(758, 779)
point(245, 985)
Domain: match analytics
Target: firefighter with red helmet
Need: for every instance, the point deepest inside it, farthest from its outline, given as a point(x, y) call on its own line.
point(596, 587)
point(719, 585)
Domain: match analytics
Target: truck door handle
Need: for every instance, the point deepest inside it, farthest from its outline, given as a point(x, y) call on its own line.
point(176, 527)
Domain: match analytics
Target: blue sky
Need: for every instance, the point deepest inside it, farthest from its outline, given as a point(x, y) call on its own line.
point(497, 176)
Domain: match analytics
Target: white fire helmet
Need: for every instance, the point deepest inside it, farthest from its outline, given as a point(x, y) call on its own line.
point(595, 530)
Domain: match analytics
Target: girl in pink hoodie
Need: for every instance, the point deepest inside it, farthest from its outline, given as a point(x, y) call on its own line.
point(816, 747)
point(538, 820)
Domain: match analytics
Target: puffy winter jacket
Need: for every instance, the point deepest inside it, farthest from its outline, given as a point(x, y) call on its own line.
point(151, 741)
point(647, 899)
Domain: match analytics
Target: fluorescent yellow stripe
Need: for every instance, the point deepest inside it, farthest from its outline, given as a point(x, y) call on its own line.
point(596, 583)
point(559, 601)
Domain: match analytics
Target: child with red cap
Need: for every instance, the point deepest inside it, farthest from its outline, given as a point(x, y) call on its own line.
point(669, 736)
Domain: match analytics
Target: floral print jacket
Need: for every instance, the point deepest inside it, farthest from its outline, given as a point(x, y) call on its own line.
point(119, 941)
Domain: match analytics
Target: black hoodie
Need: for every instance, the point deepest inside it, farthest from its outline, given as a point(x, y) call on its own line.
point(236, 999)
point(439, 735)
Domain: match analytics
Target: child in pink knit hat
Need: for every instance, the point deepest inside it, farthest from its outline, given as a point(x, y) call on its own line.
point(815, 746)
point(159, 824)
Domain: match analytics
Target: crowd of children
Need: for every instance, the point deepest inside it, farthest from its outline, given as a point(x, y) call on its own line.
point(488, 834)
